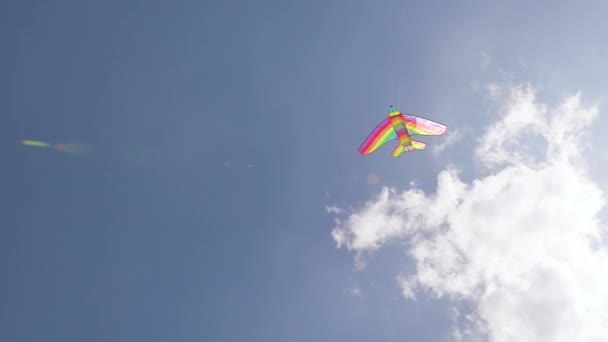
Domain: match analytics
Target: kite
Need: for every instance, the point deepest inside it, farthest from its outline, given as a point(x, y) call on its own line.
point(67, 148)
point(400, 127)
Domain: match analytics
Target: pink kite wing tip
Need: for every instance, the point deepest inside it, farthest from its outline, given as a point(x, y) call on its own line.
point(363, 151)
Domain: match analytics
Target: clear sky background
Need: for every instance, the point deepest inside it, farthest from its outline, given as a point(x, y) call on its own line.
point(220, 132)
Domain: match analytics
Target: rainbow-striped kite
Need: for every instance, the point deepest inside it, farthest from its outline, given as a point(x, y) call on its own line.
point(402, 127)
point(74, 149)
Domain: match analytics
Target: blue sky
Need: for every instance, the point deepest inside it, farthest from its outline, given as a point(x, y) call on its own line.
point(220, 131)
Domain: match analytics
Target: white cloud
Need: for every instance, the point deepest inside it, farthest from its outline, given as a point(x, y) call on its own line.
point(486, 60)
point(355, 291)
point(520, 62)
point(450, 138)
point(475, 86)
point(494, 91)
point(520, 245)
point(333, 210)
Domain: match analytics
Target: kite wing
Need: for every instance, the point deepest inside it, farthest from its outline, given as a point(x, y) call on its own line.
point(382, 134)
point(421, 126)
